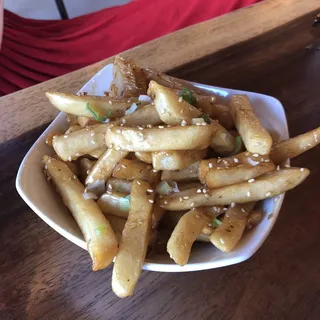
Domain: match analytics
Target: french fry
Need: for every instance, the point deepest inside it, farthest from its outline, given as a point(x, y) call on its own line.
point(269, 185)
point(76, 144)
point(73, 128)
point(227, 235)
point(144, 116)
point(255, 137)
point(216, 178)
point(97, 153)
point(158, 139)
point(85, 167)
point(144, 156)
point(128, 79)
point(172, 109)
point(190, 173)
point(134, 241)
point(101, 241)
point(244, 158)
point(114, 203)
point(119, 185)
point(157, 214)
point(176, 160)
point(222, 141)
point(85, 121)
point(215, 111)
point(103, 168)
point(185, 233)
point(101, 107)
point(117, 225)
point(134, 169)
point(293, 147)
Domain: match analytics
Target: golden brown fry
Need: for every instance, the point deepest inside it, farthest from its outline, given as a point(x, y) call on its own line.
point(103, 107)
point(97, 232)
point(158, 139)
point(216, 178)
point(266, 186)
point(255, 137)
point(185, 233)
point(293, 147)
point(190, 173)
point(85, 167)
point(245, 158)
point(85, 121)
point(97, 153)
point(73, 145)
point(119, 185)
point(176, 160)
point(134, 169)
point(110, 204)
point(144, 156)
point(103, 168)
point(146, 115)
point(73, 128)
point(134, 241)
point(227, 235)
point(128, 79)
point(222, 141)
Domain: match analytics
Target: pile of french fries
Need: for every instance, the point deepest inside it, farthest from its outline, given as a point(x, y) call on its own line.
point(157, 153)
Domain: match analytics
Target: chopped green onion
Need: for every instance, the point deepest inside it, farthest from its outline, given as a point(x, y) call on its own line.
point(216, 222)
point(206, 118)
point(238, 146)
point(125, 203)
point(196, 120)
point(186, 95)
point(100, 230)
point(138, 103)
point(164, 188)
point(97, 116)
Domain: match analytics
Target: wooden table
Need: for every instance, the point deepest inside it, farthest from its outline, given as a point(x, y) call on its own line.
point(265, 48)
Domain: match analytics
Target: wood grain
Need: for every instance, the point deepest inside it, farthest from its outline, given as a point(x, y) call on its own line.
point(31, 108)
point(43, 276)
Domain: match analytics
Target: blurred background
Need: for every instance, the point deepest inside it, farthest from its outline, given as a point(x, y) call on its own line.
point(58, 9)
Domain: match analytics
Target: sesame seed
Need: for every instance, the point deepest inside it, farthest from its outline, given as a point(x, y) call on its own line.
point(251, 180)
point(88, 171)
point(209, 224)
point(268, 194)
point(212, 99)
point(117, 148)
point(149, 126)
point(140, 128)
point(93, 142)
point(121, 124)
point(186, 198)
point(301, 169)
point(192, 204)
point(278, 167)
point(276, 199)
point(236, 160)
point(287, 165)
point(138, 183)
point(255, 155)
point(154, 170)
point(65, 136)
point(151, 201)
point(210, 165)
point(222, 241)
point(183, 122)
point(215, 209)
point(204, 190)
point(165, 202)
point(262, 160)
point(181, 111)
point(248, 194)
point(92, 133)
point(70, 158)
point(197, 216)
point(225, 162)
point(150, 190)
point(232, 205)
point(204, 124)
point(123, 121)
point(123, 166)
point(225, 209)
point(247, 154)
point(266, 160)
point(160, 127)
point(110, 186)
point(180, 99)
point(180, 199)
point(118, 131)
point(199, 191)
point(74, 176)
point(110, 102)
point(242, 210)
point(206, 195)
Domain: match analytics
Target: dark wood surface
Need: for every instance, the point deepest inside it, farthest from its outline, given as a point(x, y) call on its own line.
point(44, 276)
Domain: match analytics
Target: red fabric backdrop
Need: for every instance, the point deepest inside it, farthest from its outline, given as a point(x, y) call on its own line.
point(34, 51)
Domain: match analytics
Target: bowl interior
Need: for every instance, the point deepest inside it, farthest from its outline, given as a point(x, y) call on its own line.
point(46, 203)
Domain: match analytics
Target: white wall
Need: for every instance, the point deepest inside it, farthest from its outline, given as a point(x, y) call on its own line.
point(47, 9)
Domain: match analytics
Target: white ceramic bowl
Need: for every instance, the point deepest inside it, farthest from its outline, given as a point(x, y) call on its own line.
point(46, 203)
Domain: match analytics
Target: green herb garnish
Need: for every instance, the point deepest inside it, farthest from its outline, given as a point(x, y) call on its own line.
point(187, 95)
point(138, 103)
point(100, 230)
point(216, 222)
point(238, 147)
point(97, 116)
point(205, 117)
